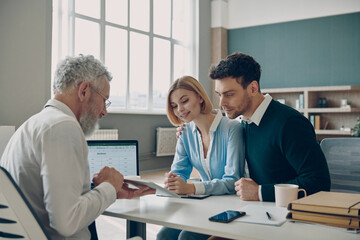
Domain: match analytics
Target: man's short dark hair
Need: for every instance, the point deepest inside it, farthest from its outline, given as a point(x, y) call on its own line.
point(237, 65)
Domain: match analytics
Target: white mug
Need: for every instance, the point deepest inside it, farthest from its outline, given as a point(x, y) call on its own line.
point(286, 193)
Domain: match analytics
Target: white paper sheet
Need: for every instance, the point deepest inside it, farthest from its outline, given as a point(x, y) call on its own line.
point(257, 214)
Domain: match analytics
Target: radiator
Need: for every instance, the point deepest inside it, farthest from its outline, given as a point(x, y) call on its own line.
point(104, 134)
point(165, 141)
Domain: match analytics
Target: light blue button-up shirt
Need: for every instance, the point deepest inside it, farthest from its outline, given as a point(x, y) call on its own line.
point(225, 160)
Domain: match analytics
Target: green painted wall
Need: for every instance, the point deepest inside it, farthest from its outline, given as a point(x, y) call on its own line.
point(316, 52)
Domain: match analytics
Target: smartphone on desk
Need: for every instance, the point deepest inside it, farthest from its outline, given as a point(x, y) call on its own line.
point(227, 216)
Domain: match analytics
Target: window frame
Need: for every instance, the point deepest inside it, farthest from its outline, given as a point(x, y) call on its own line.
point(62, 48)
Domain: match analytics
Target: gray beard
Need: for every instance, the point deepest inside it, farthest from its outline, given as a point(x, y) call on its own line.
point(88, 123)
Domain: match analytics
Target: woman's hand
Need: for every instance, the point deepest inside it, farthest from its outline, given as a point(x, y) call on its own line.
point(176, 184)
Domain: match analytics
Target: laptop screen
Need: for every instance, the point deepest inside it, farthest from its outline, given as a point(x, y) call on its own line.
point(119, 154)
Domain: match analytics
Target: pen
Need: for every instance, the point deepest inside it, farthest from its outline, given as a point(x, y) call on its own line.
point(268, 215)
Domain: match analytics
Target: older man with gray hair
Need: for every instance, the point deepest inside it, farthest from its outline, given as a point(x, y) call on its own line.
point(47, 155)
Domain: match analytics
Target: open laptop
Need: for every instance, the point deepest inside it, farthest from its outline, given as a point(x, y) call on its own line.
point(123, 155)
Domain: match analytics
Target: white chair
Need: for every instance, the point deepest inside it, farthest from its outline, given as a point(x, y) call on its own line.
point(17, 218)
point(343, 158)
point(16, 215)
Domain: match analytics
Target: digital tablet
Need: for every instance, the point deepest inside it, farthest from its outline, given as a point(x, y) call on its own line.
point(160, 191)
point(195, 196)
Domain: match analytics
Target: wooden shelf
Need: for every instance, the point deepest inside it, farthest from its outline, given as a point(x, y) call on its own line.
point(334, 110)
point(312, 89)
point(333, 132)
point(300, 110)
point(332, 88)
point(333, 117)
point(283, 90)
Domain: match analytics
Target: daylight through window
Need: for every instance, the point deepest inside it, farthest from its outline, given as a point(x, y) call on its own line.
point(146, 44)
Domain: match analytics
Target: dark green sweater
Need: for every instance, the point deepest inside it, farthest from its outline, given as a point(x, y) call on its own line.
point(284, 149)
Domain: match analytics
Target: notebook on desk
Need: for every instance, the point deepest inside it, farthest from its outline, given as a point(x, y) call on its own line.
point(123, 155)
point(263, 214)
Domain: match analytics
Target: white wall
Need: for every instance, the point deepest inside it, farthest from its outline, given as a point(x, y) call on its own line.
point(233, 14)
point(25, 58)
point(25, 73)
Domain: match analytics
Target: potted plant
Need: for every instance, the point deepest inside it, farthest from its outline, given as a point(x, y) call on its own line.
point(356, 130)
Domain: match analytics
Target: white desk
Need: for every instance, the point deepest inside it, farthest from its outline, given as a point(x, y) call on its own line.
point(192, 215)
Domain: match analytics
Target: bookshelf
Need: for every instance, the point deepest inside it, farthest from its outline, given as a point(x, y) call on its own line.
point(334, 120)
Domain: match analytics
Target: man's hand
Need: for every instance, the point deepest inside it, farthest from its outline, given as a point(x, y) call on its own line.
point(179, 129)
point(176, 184)
point(111, 176)
point(128, 193)
point(247, 189)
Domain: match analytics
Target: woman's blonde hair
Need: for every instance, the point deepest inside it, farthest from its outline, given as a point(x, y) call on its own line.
point(191, 84)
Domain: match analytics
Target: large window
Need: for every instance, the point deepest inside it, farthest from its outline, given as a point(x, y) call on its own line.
point(146, 44)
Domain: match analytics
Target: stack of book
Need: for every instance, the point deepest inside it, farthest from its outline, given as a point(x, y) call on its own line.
point(329, 208)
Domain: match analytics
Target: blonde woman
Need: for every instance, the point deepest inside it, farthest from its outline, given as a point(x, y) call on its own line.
point(210, 142)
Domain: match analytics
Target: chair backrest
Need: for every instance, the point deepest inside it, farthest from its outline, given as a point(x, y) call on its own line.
point(16, 215)
point(343, 158)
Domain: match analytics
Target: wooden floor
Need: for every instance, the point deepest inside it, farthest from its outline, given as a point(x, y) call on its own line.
point(110, 228)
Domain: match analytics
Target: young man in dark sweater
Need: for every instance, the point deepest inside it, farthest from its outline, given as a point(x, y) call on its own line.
point(281, 145)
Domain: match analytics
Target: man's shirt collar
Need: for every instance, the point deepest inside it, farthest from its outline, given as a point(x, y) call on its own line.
point(259, 112)
point(60, 105)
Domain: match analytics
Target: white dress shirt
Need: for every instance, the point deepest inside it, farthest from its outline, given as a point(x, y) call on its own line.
point(259, 112)
point(256, 119)
point(199, 186)
point(47, 157)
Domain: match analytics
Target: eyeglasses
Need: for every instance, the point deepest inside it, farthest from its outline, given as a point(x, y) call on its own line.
point(106, 100)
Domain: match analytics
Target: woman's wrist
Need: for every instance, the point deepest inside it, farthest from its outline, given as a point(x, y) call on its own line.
point(191, 188)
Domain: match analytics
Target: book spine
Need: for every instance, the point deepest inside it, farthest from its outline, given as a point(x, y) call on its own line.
point(301, 101)
point(324, 210)
point(317, 122)
point(332, 220)
point(312, 119)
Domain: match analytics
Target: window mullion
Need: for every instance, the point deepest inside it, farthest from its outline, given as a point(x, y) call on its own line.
point(151, 57)
point(60, 31)
point(71, 31)
point(171, 46)
point(127, 101)
point(102, 31)
point(194, 55)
